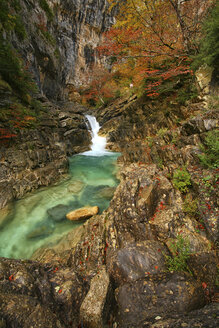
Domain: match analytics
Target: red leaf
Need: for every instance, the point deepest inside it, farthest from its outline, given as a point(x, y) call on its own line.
point(11, 277)
point(204, 285)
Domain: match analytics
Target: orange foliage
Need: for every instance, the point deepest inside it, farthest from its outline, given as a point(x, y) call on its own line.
point(152, 39)
point(101, 86)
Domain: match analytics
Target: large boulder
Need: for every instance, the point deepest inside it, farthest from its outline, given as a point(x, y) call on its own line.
point(26, 312)
point(82, 213)
point(162, 295)
point(95, 307)
point(136, 261)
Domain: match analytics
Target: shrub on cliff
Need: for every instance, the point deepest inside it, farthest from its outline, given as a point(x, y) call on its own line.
point(180, 250)
point(210, 156)
point(209, 44)
point(182, 180)
point(13, 71)
point(44, 5)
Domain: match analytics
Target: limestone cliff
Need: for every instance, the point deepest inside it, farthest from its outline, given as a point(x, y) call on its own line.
point(60, 40)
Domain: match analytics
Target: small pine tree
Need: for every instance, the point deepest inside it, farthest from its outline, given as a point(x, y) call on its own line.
point(209, 44)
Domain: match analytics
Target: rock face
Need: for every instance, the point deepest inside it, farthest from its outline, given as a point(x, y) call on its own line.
point(60, 43)
point(31, 291)
point(39, 157)
point(82, 213)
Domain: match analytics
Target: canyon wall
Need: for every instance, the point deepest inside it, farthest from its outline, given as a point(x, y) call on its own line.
point(60, 43)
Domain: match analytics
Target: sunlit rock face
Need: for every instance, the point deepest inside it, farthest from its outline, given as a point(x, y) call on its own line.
point(60, 49)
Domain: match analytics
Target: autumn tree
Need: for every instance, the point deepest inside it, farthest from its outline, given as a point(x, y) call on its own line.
point(100, 86)
point(154, 38)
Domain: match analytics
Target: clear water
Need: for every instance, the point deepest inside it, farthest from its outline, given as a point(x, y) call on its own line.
point(30, 225)
point(39, 219)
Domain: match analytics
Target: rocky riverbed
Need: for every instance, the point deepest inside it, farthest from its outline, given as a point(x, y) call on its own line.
point(120, 268)
point(39, 157)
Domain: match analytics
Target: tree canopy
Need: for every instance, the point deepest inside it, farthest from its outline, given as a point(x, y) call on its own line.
point(153, 40)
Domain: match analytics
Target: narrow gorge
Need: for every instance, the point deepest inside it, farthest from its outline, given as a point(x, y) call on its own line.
point(149, 258)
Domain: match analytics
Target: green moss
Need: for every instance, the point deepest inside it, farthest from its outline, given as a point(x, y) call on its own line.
point(162, 132)
point(44, 5)
point(15, 4)
point(187, 93)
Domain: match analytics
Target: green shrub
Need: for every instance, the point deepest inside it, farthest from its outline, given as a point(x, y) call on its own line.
point(208, 47)
point(190, 205)
point(44, 5)
point(180, 250)
point(182, 180)
point(19, 28)
point(10, 21)
point(13, 71)
point(48, 37)
point(210, 156)
point(189, 92)
point(162, 132)
point(15, 4)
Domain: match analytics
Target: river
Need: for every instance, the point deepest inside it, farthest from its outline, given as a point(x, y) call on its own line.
point(39, 219)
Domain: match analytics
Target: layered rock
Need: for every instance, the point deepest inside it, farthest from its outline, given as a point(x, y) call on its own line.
point(38, 157)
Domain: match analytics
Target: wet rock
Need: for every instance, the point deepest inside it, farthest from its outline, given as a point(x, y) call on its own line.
point(106, 193)
point(48, 295)
point(136, 261)
point(58, 212)
point(161, 295)
point(82, 213)
point(204, 267)
point(26, 312)
point(68, 291)
point(4, 215)
point(95, 307)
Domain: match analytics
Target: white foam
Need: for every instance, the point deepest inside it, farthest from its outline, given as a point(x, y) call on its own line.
point(98, 146)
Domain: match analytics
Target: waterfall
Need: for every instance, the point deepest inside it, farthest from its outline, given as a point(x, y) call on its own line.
point(98, 146)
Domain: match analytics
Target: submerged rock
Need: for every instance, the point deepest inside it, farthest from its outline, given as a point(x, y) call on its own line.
point(40, 232)
point(82, 213)
point(58, 212)
point(106, 193)
point(75, 187)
